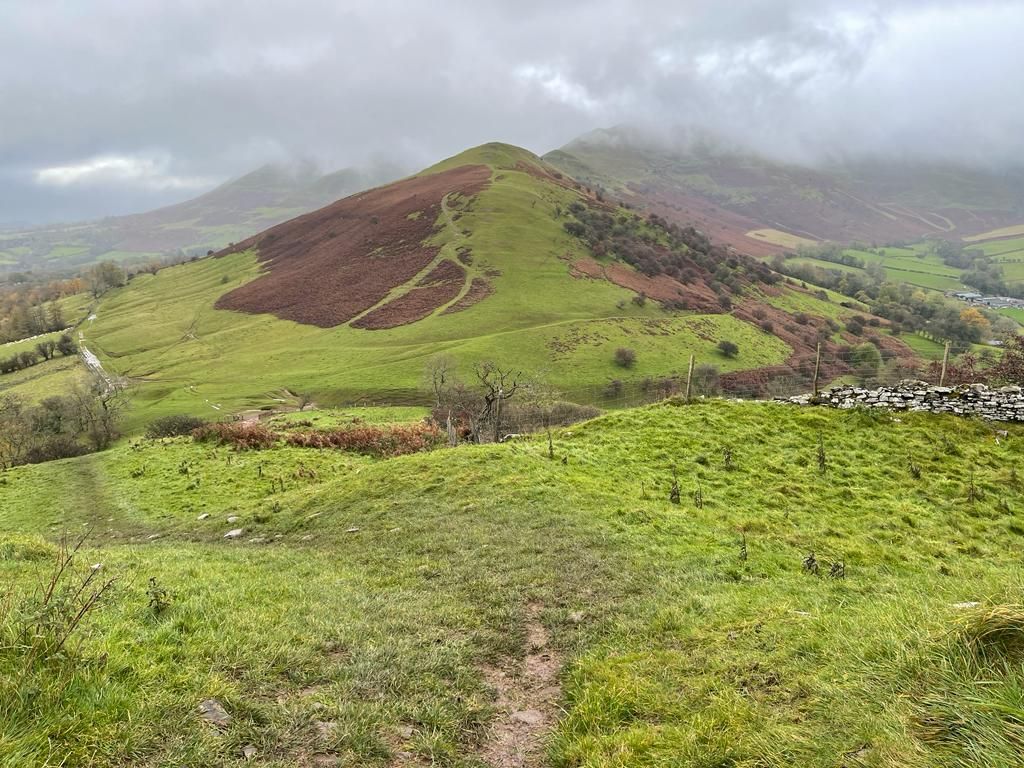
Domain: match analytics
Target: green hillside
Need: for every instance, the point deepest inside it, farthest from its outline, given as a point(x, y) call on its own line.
point(183, 355)
point(454, 607)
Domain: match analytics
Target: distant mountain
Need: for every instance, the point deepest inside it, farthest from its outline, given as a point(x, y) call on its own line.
point(763, 207)
point(231, 212)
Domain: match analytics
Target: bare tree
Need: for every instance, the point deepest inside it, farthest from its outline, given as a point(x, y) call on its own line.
point(498, 385)
point(449, 394)
point(15, 431)
point(440, 375)
point(98, 409)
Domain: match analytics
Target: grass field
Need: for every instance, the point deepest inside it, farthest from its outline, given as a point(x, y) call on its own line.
point(796, 301)
point(996, 233)
point(912, 265)
point(999, 247)
point(361, 616)
point(1015, 314)
point(778, 237)
point(928, 349)
point(183, 356)
point(53, 377)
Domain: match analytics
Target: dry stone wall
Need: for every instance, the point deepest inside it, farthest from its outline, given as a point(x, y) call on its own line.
point(1002, 404)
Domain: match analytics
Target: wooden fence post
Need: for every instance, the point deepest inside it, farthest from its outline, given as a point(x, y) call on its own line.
point(817, 368)
point(945, 362)
point(689, 379)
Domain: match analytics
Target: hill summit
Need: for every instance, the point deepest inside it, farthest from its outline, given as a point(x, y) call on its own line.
point(402, 252)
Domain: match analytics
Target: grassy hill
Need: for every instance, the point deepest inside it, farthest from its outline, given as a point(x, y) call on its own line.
point(231, 212)
point(469, 259)
point(460, 606)
point(763, 207)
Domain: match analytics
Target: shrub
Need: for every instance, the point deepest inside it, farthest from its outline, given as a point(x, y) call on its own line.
point(174, 426)
point(728, 348)
point(706, 380)
point(625, 357)
point(380, 441)
point(38, 628)
point(242, 436)
point(614, 389)
point(529, 417)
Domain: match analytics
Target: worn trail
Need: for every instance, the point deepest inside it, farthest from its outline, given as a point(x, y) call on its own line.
point(528, 693)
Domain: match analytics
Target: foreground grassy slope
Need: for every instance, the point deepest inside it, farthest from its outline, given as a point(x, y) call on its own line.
point(163, 332)
point(373, 595)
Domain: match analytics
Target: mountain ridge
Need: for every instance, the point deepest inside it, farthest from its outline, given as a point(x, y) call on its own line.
point(764, 207)
point(229, 212)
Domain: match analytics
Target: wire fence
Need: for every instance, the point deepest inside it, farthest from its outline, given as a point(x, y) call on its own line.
point(704, 379)
point(797, 377)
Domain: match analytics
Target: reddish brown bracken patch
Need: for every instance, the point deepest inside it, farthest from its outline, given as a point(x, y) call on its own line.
point(329, 266)
point(696, 295)
point(440, 286)
point(479, 290)
point(445, 272)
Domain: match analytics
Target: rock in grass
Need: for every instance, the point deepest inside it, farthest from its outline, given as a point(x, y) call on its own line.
point(232, 518)
point(203, 516)
point(213, 712)
point(234, 533)
point(529, 717)
point(325, 729)
point(249, 751)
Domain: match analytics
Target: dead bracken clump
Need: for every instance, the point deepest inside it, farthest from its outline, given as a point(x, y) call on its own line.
point(381, 441)
point(242, 436)
point(810, 565)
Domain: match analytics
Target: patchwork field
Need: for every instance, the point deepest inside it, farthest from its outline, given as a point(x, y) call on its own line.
point(408, 611)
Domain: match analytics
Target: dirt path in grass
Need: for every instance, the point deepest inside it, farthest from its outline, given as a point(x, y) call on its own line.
point(527, 700)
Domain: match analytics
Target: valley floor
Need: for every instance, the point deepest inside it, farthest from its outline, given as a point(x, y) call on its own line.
point(487, 605)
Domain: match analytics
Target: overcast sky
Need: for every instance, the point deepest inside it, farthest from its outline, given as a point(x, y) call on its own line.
point(109, 106)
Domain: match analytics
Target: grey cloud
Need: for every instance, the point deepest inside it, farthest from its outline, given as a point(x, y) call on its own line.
point(213, 88)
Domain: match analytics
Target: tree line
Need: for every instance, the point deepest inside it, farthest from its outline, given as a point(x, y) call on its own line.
point(908, 308)
point(83, 420)
point(44, 350)
point(654, 246)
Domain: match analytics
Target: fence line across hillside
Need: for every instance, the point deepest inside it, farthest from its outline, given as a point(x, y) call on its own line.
point(627, 387)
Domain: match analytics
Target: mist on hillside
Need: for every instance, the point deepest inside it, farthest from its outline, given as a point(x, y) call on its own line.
point(106, 110)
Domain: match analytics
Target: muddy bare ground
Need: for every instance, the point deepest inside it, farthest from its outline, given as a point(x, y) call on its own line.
point(527, 696)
